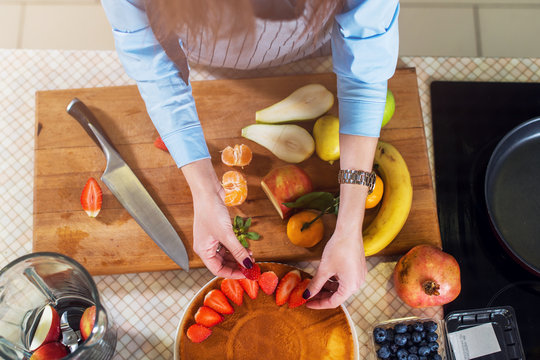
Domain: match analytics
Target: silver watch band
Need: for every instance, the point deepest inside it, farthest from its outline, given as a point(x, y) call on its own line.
point(357, 177)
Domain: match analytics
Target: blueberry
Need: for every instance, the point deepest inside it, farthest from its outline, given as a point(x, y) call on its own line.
point(383, 352)
point(402, 354)
point(423, 333)
point(400, 339)
point(390, 334)
point(423, 351)
point(400, 328)
point(409, 343)
point(433, 346)
point(394, 348)
point(432, 336)
point(408, 336)
point(416, 337)
point(423, 343)
point(430, 326)
point(422, 358)
point(418, 326)
point(436, 357)
point(379, 334)
point(413, 350)
point(412, 357)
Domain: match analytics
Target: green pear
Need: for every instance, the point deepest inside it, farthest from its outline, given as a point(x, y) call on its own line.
point(389, 108)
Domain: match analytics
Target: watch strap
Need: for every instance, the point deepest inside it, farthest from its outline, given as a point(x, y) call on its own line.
point(358, 177)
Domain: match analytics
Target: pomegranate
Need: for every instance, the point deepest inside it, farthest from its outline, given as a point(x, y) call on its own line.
point(427, 276)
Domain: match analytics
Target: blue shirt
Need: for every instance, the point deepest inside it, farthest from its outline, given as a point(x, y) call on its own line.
point(364, 54)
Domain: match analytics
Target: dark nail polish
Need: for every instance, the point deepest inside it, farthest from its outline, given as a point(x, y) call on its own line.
point(306, 294)
point(247, 263)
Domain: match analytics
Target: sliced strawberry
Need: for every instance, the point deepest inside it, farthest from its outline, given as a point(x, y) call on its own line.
point(207, 316)
point(198, 333)
point(286, 286)
point(250, 286)
point(91, 197)
point(233, 290)
point(217, 301)
point(160, 144)
point(251, 274)
point(268, 282)
point(296, 298)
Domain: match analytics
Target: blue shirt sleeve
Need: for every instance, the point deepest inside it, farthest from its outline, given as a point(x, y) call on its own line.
point(365, 43)
point(169, 101)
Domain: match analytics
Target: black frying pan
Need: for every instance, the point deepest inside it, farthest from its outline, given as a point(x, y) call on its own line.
point(512, 191)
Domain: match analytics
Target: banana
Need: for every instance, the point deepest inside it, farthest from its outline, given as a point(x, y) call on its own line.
point(396, 202)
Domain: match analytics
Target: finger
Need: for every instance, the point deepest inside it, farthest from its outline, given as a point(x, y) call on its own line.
point(219, 266)
point(238, 252)
point(331, 302)
point(316, 284)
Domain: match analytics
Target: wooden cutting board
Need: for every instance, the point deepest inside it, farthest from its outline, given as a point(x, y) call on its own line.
point(65, 157)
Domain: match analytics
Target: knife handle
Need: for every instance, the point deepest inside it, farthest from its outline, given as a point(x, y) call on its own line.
point(80, 112)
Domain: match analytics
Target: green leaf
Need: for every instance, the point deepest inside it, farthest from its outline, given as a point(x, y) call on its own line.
point(247, 224)
point(238, 222)
point(318, 200)
point(243, 241)
point(252, 235)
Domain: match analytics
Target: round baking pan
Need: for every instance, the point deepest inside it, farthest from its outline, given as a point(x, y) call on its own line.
point(512, 193)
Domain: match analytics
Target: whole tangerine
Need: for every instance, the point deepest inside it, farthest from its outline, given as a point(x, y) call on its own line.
point(310, 236)
point(376, 195)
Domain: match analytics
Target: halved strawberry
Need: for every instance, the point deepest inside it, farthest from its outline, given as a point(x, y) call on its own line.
point(268, 282)
point(91, 197)
point(286, 286)
point(296, 298)
point(160, 144)
point(251, 274)
point(233, 290)
point(198, 333)
point(217, 301)
point(250, 286)
point(207, 316)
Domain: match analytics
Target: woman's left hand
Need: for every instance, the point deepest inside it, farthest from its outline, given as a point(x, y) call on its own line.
point(341, 272)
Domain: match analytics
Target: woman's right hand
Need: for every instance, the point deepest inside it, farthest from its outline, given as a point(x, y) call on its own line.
point(213, 236)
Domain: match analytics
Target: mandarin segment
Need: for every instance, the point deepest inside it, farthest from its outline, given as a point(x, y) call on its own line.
point(240, 155)
point(235, 186)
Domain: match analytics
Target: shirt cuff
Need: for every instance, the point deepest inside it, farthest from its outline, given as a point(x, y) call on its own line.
point(361, 106)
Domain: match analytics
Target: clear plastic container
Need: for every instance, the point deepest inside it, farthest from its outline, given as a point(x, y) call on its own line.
point(504, 324)
point(409, 321)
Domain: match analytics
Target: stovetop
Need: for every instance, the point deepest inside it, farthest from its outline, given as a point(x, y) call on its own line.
point(469, 119)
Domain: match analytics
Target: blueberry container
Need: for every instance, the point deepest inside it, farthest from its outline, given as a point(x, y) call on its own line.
point(504, 324)
point(399, 328)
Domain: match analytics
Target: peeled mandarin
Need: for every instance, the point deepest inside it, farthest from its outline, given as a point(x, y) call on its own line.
point(235, 186)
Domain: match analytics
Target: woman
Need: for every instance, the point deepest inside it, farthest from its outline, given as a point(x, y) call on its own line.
point(155, 39)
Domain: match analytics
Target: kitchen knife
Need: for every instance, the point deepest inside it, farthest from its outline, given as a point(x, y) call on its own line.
point(127, 188)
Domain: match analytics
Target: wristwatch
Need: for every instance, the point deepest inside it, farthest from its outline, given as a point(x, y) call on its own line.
point(357, 177)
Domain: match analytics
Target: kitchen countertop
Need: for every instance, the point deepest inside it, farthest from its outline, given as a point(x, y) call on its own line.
point(147, 306)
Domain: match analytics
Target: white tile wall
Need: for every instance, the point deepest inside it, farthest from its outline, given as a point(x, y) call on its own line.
point(427, 27)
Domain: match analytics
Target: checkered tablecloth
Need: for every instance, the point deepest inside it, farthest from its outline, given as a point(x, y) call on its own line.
point(147, 306)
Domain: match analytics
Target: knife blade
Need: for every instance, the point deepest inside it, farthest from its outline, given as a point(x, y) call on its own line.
point(129, 191)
